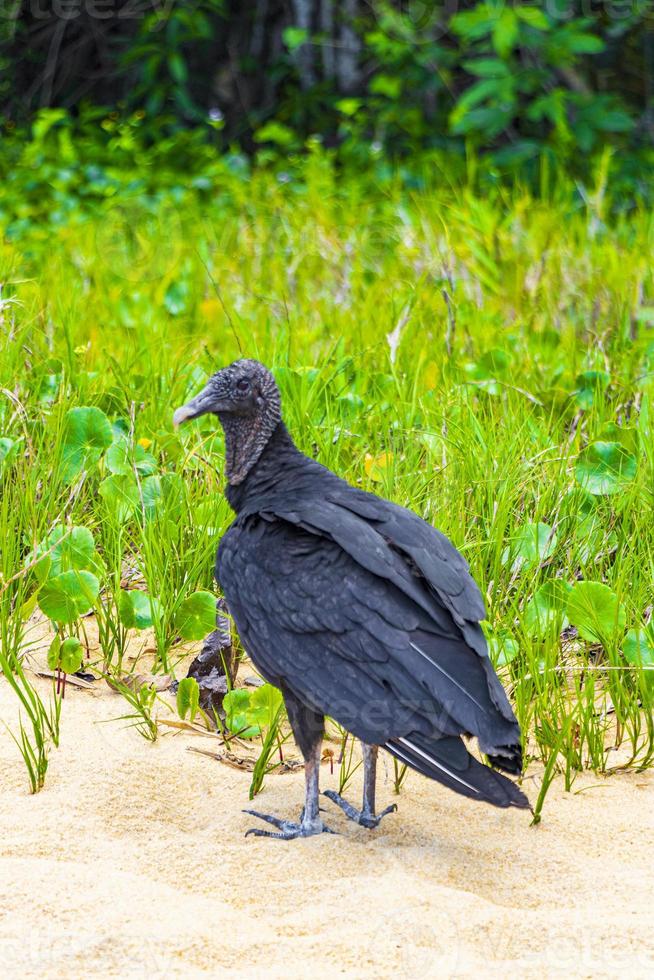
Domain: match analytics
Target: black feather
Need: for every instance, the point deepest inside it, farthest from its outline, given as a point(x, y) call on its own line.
point(362, 611)
point(448, 761)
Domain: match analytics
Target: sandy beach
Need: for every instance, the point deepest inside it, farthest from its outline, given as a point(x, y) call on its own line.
point(132, 861)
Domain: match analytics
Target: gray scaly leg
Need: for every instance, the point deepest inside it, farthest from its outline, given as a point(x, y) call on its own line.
point(366, 816)
point(310, 822)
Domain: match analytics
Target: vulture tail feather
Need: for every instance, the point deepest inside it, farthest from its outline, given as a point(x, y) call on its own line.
point(448, 761)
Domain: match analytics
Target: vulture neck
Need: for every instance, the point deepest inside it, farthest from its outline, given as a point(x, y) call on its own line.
point(273, 466)
point(245, 440)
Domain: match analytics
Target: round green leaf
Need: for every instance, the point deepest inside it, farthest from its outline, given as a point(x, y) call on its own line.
point(137, 610)
point(493, 363)
point(29, 606)
point(250, 712)
point(122, 459)
point(66, 655)
point(87, 433)
point(152, 491)
point(147, 611)
point(65, 549)
point(144, 461)
point(196, 616)
point(638, 649)
point(532, 543)
point(605, 468)
point(502, 648)
point(121, 495)
point(188, 697)
point(546, 608)
point(627, 436)
point(596, 612)
point(584, 519)
point(172, 491)
point(71, 655)
point(118, 458)
point(6, 445)
point(162, 494)
point(265, 702)
point(53, 653)
point(126, 612)
point(589, 385)
point(638, 646)
point(578, 502)
point(236, 704)
point(65, 597)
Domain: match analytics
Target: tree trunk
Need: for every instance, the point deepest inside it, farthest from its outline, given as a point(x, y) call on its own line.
point(304, 53)
point(350, 47)
point(327, 29)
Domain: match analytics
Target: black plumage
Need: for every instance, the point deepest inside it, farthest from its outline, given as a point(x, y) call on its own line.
point(356, 608)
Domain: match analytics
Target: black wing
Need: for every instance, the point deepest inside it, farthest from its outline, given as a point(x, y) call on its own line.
point(396, 545)
point(328, 608)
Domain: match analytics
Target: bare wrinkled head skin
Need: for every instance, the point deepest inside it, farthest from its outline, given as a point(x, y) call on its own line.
point(245, 397)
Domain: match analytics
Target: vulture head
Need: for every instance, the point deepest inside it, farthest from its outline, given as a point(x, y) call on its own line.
point(245, 397)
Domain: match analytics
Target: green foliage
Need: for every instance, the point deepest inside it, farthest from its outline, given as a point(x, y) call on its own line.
point(638, 649)
point(273, 739)
point(596, 612)
point(63, 550)
point(66, 597)
point(87, 434)
point(528, 85)
point(66, 655)
point(121, 496)
point(9, 449)
point(531, 544)
point(521, 58)
point(605, 468)
point(196, 616)
point(236, 704)
point(546, 610)
point(123, 460)
point(156, 55)
point(502, 647)
point(44, 720)
point(138, 610)
point(141, 699)
point(590, 385)
point(248, 713)
point(499, 305)
point(61, 563)
point(257, 713)
point(188, 698)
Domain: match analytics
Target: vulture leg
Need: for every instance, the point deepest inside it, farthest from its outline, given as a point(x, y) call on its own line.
point(308, 729)
point(366, 815)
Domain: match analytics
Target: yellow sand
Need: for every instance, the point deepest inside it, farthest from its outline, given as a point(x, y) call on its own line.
point(132, 863)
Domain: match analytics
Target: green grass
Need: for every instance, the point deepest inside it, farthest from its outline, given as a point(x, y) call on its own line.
point(428, 345)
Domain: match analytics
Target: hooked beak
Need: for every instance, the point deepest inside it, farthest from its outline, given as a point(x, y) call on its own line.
point(203, 403)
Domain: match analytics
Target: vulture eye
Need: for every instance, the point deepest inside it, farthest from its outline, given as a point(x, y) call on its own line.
point(242, 386)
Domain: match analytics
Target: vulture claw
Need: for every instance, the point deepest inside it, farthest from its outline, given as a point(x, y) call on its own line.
point(288, 829)
point(368, 820)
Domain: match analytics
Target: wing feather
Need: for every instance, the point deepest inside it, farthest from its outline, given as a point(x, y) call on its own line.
point(361, 637)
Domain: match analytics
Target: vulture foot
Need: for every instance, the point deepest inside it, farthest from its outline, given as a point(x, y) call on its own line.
point(363, 818)
point(288, 829)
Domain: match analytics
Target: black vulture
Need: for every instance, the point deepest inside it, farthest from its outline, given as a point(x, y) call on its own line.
point(355, 608)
